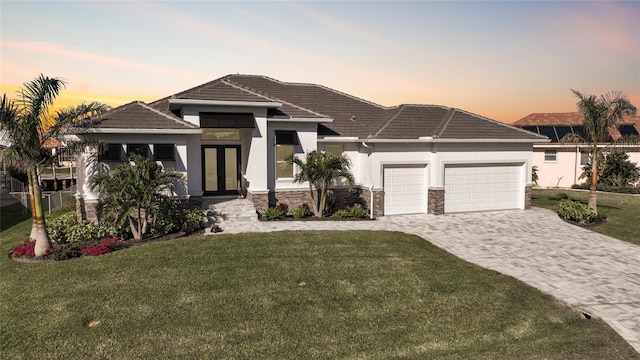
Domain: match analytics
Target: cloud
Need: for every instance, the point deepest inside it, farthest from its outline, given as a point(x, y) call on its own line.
point(52, 49)
point(607, 25)
point(338, 25)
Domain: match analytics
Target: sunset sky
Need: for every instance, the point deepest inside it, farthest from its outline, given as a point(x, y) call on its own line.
point(503, 60)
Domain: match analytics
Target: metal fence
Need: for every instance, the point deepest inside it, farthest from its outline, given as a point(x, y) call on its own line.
point(11, 185)
point(58, 198)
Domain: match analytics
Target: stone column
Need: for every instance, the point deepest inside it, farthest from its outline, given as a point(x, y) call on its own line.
point(435, 204)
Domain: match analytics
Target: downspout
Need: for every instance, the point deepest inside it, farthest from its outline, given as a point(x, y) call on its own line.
point(575, 165)
point(370, 187)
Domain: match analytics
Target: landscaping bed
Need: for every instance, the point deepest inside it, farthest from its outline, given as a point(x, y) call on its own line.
point(622, 211)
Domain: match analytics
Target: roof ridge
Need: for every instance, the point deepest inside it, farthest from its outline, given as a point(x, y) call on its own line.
point(176, 119)
point(400, 108)
point(496, 121)
point(287, 83)
point(271, 97)
point(230, 83)
point(444, 122)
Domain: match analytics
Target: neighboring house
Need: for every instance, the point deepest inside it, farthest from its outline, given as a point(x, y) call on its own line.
point(561, 163)
point(231, 136)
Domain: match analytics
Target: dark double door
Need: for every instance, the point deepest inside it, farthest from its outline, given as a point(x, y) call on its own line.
point(220, 169)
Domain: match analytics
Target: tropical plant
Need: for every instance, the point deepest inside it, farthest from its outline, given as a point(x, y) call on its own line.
point(534, 175)
point(134, 192)
point(599, 114)
point(618, 170)
point(321, 170)
point(27, 123)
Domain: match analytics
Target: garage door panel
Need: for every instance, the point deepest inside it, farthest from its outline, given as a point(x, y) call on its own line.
point(476, 188)
point(405, 189)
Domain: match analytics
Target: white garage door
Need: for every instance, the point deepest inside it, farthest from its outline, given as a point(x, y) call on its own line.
point(477, 188)
point(405, 189)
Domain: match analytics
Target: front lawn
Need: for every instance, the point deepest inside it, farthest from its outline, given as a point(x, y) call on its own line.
point(622, 211)
point(285, 295)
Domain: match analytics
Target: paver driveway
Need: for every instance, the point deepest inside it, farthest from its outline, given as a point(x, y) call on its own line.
point(594, 273)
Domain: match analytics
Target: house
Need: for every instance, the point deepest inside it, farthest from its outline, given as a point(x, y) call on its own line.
point(231, 136)
point(561, 163)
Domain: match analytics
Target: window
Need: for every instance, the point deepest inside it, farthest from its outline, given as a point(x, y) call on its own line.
point(584, 158)
point(286, 142)
point(551, 155)
point(220, 134)
point(334, 149)
point(138, 149)
point(284, 169)
point(112, 152)
point(163, 152)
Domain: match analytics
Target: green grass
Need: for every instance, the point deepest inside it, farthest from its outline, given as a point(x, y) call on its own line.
point(286, 295)
point(622, 211)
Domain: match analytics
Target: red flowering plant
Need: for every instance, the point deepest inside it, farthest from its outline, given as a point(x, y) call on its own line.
point(103, 248)
point(27, 250)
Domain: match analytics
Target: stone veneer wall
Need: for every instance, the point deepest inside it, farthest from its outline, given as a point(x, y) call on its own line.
point(86, 210)
point(435, 200)
point(337, 198)
point(259, 200)
point(378, 201)
point(527, 197)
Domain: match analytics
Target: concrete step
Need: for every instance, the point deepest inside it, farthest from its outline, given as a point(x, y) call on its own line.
point(228, 212)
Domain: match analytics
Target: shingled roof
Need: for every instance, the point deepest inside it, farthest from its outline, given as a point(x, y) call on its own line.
point(628, 125)
point(139, 115)
point(364, 119)
point(352, 116)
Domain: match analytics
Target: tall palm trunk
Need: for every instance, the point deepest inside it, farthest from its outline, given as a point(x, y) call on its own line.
point(32, 206)
point(592, 203)
point(42, 237)
point(316, 213)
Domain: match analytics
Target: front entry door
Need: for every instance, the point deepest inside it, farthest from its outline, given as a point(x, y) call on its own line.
point(220, 169)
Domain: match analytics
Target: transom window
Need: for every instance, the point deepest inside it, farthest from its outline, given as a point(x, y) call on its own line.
point(551, 155)
point(334, 149)
point(220, 134)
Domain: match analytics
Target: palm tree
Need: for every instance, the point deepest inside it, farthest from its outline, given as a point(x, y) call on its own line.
point(28, 123)
point(135, 191)
point(321, 169)
point(600, 114)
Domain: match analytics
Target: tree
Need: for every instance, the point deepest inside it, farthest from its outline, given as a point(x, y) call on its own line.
point(320, 170)
point(599, 114)
point(28, 123)
point(618, 170)
point(135, 191)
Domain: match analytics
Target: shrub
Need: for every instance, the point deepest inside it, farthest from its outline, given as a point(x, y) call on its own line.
point(283, 207)
point(301, 211)
point(272, 213)
point(341, 214)
point(577, 212)
point(607, 188)
point(355, 211)
point(66, 229)
point(561, 196)
point(191, 219)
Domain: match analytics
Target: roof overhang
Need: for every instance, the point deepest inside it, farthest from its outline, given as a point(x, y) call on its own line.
point(258, 104)
point(144, 131)
point(425, 139)
point(299, 120)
